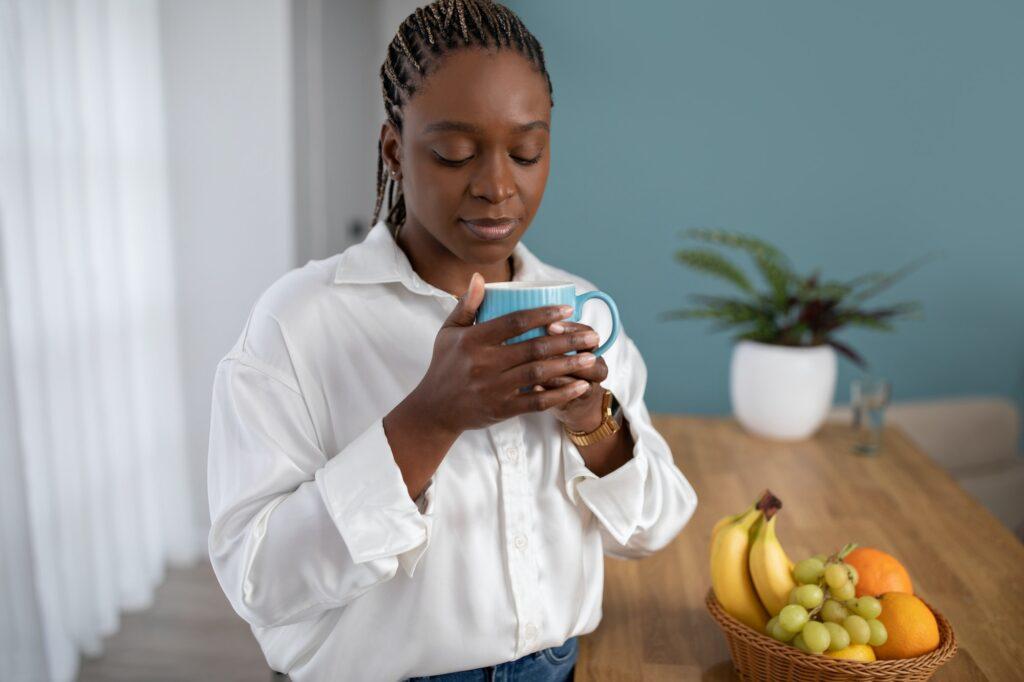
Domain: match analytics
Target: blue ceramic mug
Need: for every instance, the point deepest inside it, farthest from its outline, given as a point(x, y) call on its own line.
point(501, 298)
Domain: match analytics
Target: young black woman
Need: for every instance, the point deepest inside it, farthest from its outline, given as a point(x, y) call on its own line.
point(386, 504)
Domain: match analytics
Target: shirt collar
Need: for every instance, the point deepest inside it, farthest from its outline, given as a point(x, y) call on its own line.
point(378, 258)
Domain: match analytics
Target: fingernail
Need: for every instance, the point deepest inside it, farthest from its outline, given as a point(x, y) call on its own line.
point(566, 310)
point(587, 359)
point(580, 387)
point(556, 328)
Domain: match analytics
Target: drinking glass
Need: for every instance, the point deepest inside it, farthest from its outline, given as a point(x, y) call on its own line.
point(868, 398)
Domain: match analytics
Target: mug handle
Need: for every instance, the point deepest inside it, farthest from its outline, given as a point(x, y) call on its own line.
point(586, 296)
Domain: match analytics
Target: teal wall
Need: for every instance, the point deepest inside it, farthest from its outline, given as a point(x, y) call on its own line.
point(854, 135)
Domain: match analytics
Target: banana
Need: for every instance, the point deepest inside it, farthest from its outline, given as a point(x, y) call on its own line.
point(770, 567)
point(730, 570)
point(721, 523)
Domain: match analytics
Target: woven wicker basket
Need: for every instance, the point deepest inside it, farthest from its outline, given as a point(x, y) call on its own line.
point(758, 657)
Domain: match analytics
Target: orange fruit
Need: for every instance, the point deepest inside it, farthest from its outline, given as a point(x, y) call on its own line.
point(854, 652)
point(879, 572)
point(912, 627)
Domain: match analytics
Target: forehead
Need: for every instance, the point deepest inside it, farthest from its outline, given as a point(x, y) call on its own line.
point(493, 89)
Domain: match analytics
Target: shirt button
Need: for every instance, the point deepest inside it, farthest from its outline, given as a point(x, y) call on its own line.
point(512, 452)
point(520, 541)
point(531, 631)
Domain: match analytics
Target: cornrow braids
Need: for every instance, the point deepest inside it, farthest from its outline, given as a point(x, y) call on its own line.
point(422, 40)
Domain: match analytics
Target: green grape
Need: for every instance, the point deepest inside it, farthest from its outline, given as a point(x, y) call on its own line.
point(867, 607)
point(858, 628)
point(844, 591)
point(854, 574)
point(836, 576)
point(839, 638)
point(834, 612)
point(800, 644)
point(821, 557)
point(773, 621)
point(778, 632)
point(816, 636)
point(793, 617)
point(879, 635)
point(809, 596)
point(792, 596)
point(808, 571)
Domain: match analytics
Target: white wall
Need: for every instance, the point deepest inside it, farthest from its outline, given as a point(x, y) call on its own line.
point(273, 113)
point(227, 79)
point(339, 48)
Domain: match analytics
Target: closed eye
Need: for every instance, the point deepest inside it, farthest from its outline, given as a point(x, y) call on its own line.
point(452, 162)
point(527, 162)
point(455, 163)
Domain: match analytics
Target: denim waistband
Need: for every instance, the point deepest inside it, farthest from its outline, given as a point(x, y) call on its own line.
point(554, 664)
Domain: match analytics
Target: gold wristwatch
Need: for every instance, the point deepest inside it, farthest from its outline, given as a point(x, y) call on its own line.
point(608, 425)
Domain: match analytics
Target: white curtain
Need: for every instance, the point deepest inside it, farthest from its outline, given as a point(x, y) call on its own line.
point(93, 484)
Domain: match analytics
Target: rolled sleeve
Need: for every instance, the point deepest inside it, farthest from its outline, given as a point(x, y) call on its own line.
point(617, 498)
point(369, 502)
point(643, 504)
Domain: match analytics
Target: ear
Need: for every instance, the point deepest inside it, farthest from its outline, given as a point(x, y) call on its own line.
point(391, 147)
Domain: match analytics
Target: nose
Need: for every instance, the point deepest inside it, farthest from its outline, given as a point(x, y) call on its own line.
point(494, 180)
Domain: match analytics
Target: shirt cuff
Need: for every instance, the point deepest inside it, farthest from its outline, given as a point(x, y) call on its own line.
point(617, 498)
point(369, 502)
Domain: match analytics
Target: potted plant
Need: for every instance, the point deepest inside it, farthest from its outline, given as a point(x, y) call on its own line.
point(783, 368)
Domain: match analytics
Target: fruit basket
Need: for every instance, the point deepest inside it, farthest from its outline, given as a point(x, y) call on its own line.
point(758, 657)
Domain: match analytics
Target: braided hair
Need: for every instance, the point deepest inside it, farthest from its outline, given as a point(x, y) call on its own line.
point(422, 40)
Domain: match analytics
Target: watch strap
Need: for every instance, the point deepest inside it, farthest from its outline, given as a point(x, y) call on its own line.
point(607, 427)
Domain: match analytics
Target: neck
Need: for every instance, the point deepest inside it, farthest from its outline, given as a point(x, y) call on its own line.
point(439, 267)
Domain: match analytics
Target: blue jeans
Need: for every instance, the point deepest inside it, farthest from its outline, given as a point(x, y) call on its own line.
point(547, 665)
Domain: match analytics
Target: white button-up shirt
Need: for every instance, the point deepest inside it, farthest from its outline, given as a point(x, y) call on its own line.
point(314, 537)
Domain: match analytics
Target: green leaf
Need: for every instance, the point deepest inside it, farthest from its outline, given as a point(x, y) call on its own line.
point(878, 318)
point(906, 309)
point(751, 245)
point(762, 334)
point(713, 263)
point(741, 311)
point(772, 263)
point(727, 312)
point(829, 291)
point(793, 336)
point(857, 320)
point(778, 277)
point(878, 282)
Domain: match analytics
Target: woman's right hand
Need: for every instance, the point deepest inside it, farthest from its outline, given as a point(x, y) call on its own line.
point(474, 378)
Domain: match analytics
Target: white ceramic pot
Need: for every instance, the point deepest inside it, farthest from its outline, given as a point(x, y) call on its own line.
point(781, 392)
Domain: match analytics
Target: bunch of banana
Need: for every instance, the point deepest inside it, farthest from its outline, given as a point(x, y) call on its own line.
point(751, 574)
point(730, 569)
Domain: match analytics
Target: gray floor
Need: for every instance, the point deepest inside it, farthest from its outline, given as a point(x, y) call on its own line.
point(191, 633)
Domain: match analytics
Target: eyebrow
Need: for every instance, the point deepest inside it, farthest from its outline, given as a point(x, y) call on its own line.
point(460, 127)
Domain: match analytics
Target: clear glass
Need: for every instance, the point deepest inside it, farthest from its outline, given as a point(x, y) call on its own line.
point(869, 397)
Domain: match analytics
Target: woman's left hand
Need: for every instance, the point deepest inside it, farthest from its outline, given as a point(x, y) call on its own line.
point(584, 412)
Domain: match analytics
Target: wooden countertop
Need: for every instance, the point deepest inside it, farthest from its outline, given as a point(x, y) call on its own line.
point(961, 559)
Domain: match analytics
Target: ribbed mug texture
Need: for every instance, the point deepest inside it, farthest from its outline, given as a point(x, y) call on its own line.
point(502, 298)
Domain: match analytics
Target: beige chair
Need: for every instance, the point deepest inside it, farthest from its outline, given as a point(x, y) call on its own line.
point(976, 439)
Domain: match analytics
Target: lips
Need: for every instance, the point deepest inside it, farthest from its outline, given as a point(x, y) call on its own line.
point(490, 229)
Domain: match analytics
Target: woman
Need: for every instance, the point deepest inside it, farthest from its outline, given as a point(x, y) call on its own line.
point(385, 503)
